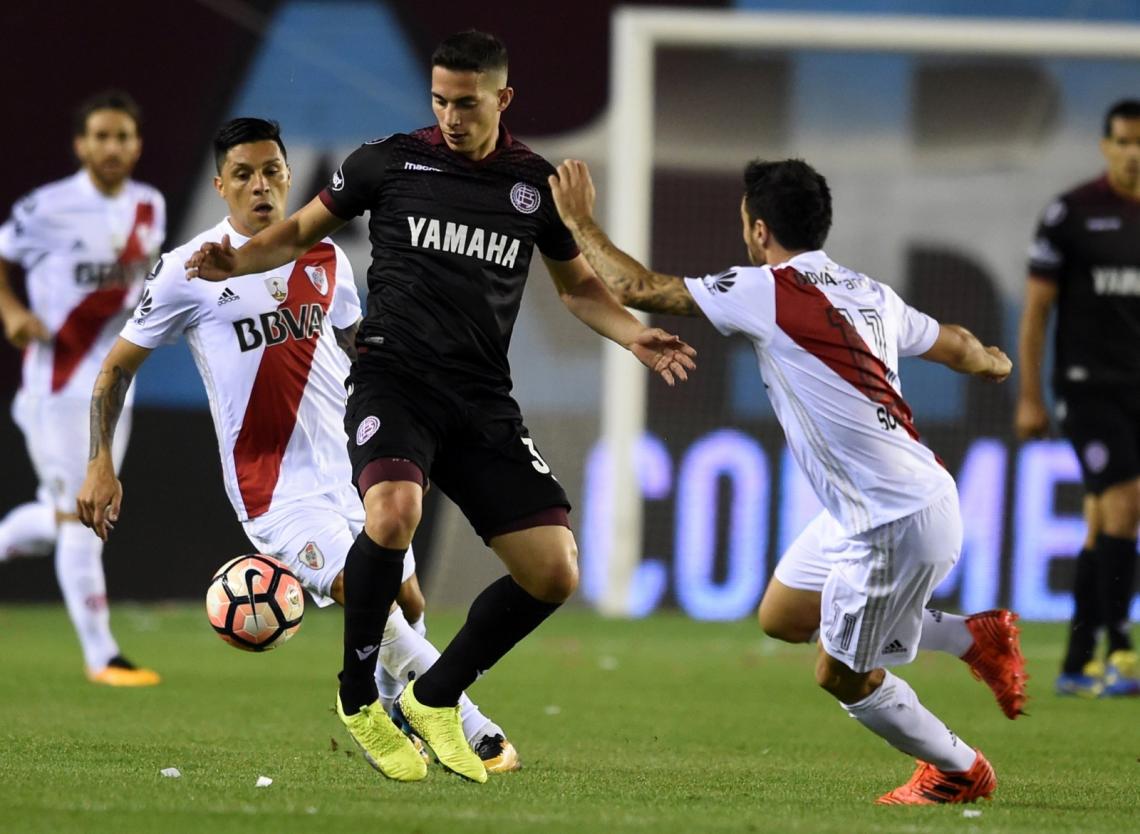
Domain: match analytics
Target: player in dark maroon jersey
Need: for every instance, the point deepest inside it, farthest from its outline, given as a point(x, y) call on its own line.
point(455, 212)
point(1085, 260)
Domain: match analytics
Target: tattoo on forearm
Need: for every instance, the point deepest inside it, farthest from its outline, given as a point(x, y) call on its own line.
point(106, 405)
point(346, 340)
point(633, 284)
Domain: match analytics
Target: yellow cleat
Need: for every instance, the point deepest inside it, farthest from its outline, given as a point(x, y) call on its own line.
point(1122, 674)
point(441, 729)
point(498, 754)
point(121, 672)
point(384, 746)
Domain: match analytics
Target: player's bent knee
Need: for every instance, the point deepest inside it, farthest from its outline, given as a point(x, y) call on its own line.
point(1119, 510)
point(553, 577)
point(844, 683)
point(558, 582)
point(392, 512)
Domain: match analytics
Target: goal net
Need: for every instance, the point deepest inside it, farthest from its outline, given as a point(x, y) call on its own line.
point(942, 140)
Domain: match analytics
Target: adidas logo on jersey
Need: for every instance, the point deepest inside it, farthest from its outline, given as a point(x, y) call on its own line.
point(894, 647)
point(227, 296)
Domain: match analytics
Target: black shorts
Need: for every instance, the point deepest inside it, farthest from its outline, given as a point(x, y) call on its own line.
point(1105, 433)
point(472, 445)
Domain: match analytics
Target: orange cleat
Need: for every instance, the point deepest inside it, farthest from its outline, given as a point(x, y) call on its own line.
point(995, 658)
point(930, 786)
point(121, 672)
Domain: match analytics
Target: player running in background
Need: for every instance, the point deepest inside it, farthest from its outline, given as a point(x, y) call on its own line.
point(455, 213)
point(1085, 260)
point(85, 243)
point(273, 351)
point(828, 342)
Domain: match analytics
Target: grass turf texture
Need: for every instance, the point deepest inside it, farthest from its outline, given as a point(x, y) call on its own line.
point(654, 726)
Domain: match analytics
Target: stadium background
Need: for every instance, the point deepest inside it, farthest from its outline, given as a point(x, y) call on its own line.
point(939, 166)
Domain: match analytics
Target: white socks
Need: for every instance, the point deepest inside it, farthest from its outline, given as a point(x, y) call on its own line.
point(79, 568)
point(893, 713)
point(942, 632)
point(419, 626)
point(29, 530)
point(405, 655)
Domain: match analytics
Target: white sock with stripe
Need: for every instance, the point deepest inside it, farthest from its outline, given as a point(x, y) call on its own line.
point(28, 530)
point(893, 713)
point(79, 569)
point(405, 655)
point(942, 632)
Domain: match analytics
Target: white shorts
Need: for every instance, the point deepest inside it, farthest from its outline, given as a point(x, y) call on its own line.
point(875, 585)
point(312, 537)
point(57, 434)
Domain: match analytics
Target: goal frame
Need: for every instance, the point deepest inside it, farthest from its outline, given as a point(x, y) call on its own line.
point(637, 33)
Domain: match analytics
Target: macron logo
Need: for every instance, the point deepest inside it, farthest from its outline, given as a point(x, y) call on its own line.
point(415, 166)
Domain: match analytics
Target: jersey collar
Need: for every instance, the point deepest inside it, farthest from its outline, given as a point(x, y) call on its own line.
point(236, 237)
point(811, 260)
point(505, 140)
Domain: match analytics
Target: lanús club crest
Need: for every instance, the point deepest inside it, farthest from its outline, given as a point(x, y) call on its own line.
point(525, 197)
point(319, 278)
point(278, 287)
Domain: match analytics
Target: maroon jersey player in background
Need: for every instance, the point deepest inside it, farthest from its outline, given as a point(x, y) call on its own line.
point(1085, 261)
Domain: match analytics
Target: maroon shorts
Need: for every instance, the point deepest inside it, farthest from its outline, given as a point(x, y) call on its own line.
point(474, 447)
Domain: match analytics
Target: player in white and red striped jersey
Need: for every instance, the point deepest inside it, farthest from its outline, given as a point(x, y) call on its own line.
point(85, 244)
point(273, 351)
point(828, 342)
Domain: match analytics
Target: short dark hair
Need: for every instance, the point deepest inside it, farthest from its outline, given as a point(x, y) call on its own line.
point(242, 130)
point(471, 51)
point(106, 100)
point(792, 198)
point(1126, 108)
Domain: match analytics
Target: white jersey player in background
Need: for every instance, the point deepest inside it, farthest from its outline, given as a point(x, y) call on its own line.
point(859, 577)
point(85, 244)
point(273, 350)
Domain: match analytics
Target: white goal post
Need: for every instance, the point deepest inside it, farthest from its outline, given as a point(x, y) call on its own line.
point(636, 36)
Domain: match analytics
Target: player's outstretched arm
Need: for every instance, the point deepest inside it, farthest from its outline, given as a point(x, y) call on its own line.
point(21, 325)
point(630, 282)
point(101, 495)
point(1031, 418)
point(270, 248)
point(587, 298)
point(959, 349)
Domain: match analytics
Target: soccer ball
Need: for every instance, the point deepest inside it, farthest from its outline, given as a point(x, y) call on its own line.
point(255, 603)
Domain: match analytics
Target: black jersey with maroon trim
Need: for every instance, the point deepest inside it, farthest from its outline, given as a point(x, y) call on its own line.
point(452, 241)
point(1088, 242)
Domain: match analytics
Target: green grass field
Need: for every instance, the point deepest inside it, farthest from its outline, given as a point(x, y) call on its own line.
point(659, 725)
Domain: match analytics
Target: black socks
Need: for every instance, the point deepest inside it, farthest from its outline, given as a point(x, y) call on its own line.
point(502, 615)
point(1086, 614)
point(1117, 567)
point(371, 581)
point(1102, 595)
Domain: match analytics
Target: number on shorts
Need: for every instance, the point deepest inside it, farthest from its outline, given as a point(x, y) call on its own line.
point(538, 463)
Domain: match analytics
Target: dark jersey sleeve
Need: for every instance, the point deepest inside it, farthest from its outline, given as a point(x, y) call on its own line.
point(355, 186)
point(554, 240)
point(1047, 252)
